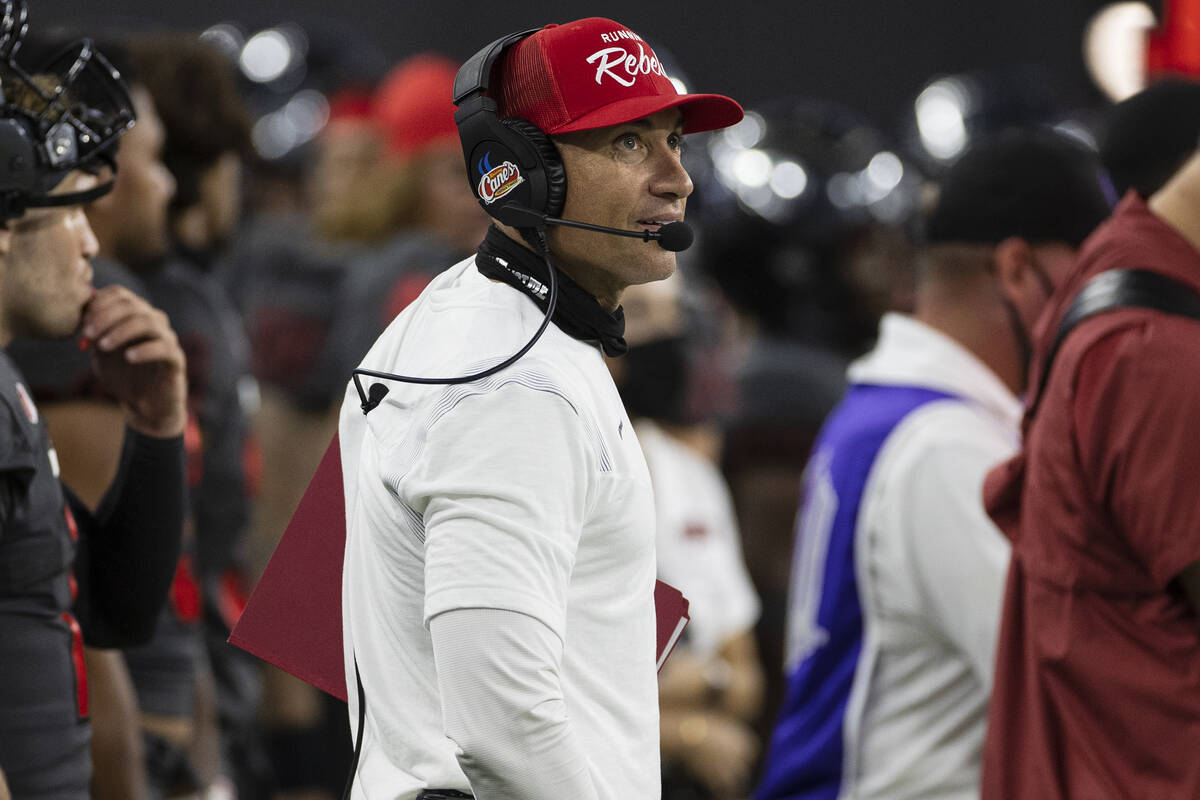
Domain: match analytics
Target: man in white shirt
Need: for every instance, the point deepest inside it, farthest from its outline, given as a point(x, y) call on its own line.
point(898, 574)
point(499, 571)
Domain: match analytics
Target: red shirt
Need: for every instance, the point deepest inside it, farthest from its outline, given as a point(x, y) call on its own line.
point(1097, 688)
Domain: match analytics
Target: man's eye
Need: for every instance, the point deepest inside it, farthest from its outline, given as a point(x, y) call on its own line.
point(629, 141)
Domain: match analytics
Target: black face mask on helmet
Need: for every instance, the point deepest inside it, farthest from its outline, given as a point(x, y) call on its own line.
point(61, 116)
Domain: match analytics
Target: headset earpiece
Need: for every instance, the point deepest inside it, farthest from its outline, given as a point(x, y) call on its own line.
point(512, 165)
point(553, 172)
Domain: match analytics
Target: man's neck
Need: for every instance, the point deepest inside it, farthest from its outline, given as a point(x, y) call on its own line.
point(598, 284)
point(982, 331)
point(1178, 203)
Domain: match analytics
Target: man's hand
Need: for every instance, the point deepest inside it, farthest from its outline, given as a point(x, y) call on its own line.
point(139, 360)
point(719, 751)
point(683, 683)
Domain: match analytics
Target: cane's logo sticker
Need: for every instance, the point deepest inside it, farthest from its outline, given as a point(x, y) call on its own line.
point(27, 403)
point(495, 182)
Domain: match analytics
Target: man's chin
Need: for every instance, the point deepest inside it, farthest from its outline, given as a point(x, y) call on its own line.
point(659, 268)
point(49, 329)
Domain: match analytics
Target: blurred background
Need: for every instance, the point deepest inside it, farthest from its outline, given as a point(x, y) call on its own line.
point(316, 185)
point(873, 55)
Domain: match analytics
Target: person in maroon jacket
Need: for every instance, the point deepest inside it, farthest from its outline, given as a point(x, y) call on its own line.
point(1097, 689)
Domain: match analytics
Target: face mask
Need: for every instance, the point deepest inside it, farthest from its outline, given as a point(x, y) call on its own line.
point(656, 380)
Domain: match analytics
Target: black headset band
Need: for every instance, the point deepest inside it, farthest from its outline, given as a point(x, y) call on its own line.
point(475, 74)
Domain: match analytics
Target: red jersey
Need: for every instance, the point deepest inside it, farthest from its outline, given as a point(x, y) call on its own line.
point(1097, 688)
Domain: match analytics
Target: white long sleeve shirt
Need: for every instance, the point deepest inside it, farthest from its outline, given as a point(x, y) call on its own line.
point(525, 493)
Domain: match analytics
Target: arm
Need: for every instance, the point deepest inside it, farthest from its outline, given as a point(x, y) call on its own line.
point(714, 747)
point(130, 546)
point(502, 486)
point(128, 556)
point(1136, 425)
point(742, 694)
point(503, 706)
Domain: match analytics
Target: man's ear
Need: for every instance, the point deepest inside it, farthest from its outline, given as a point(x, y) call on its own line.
point(1013, 258)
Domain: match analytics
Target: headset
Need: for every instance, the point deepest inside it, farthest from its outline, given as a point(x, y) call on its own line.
point(479, 127)
point(516, 172)
point(517, 175)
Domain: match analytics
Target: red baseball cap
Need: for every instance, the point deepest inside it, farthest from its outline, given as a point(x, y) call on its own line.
point(351, 103)
point(593, 73)
point(413, 105)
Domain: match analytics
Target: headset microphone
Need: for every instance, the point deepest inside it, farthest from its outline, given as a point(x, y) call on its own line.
point(674, 236)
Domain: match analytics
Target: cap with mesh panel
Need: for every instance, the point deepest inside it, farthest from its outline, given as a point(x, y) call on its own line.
point(593, 73)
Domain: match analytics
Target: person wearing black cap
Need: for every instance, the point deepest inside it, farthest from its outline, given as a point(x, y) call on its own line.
point(898, 574)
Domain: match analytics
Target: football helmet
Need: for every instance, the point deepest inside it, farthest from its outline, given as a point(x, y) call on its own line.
point(56, 117)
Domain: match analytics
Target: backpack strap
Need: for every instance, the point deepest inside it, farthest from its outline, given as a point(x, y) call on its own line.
point(1117, 289)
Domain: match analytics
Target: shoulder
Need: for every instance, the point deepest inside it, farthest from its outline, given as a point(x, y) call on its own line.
point(1130, 354)
point(19, 419)
point(464, 323)
point(177, 288)
point(55, 370)
point(536, 383)
point(1139, 360)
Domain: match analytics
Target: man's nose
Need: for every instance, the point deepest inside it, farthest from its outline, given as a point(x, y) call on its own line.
point(671, 179)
